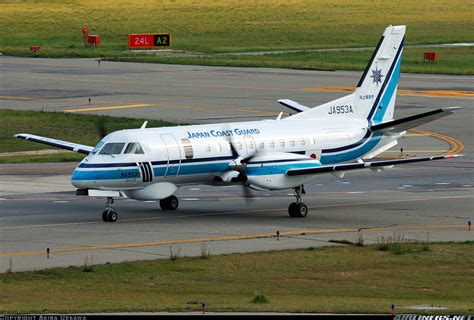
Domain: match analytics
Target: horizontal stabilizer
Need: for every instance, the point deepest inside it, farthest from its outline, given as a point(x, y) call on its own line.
point(293, 105)
point(400, 125)
point(363, 165)
point(56, 143)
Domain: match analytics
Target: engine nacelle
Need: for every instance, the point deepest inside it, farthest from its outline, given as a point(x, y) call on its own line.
point(268, 170)
point(228, 177)
point(156, 191)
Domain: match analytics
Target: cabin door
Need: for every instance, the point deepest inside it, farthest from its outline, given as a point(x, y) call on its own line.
point(173, 154)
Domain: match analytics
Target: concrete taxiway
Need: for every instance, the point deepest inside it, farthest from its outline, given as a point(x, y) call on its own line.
point(38, 208)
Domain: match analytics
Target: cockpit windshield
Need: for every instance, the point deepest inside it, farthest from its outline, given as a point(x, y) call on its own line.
point(97, 147)
point(134, 148)
point(112, 148)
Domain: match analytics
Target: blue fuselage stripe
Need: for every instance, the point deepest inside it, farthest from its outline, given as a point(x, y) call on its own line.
point(220, 165)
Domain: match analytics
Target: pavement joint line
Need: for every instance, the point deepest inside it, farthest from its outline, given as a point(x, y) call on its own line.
point(193, 85)
point(223, 238)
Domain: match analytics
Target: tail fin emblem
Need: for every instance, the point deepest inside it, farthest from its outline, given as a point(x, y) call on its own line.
point(376, 76)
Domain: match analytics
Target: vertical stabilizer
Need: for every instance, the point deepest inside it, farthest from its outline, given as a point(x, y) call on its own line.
point(375, 94)
point(377, 89)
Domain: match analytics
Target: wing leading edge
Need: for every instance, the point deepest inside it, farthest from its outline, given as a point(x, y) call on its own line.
point(363, 165)
point(56, 143)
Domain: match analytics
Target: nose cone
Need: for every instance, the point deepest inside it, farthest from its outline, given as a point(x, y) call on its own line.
point(77, 178)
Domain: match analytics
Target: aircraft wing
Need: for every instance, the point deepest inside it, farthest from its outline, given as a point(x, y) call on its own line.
point(403, 124)
point(363, 165)
point(56, 143)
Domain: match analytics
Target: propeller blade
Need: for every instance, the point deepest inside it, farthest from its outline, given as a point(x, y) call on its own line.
point(235, 154)
point(248, 195)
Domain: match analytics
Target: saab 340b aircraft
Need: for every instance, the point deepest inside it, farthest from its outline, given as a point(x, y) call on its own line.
point(285, 153)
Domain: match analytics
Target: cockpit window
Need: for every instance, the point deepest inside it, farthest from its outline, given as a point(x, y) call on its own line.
point(112, 148)
point(134, 148)
point(97, 147)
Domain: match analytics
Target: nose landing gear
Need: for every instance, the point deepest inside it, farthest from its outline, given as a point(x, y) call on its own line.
point(298, 209)
point(109, 215)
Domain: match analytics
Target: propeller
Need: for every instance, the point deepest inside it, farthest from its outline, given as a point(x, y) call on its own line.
point(239, 163)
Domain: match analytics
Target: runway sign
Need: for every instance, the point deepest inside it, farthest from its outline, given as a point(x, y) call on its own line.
point(149, 41)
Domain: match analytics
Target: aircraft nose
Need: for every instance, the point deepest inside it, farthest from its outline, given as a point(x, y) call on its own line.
point(78, 179)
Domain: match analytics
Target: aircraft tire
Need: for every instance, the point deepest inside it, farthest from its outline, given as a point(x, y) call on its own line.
point(292, 210)
point(301, 210)
point(170, 203)
point(112, 216)
point(104, 216)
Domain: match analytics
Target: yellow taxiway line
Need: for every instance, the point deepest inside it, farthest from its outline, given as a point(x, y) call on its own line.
point(242, 237)
point(227, 238)
point(401, 92)
point(455, 145)
point(127, 106)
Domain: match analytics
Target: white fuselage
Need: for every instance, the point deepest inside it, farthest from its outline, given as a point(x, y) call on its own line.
point(198, 153)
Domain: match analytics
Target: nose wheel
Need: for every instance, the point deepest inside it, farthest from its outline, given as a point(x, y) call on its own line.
point(109, 215)
point(170, 203)
point(298, 209)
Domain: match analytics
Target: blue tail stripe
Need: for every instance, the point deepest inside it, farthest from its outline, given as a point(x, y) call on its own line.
point(379, 114)
point(387, 79)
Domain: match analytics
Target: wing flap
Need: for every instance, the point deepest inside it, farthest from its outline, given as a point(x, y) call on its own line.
point(403, 124)
point(56, 143)
point(363, 165)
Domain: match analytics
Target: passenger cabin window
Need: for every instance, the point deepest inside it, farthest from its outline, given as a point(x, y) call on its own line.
point(112, 148)
point(261, 145)
point(292, 142)
point(282, 143)
point(134, 148)
point(272, 144)
point(250, 145)
point(302, 141)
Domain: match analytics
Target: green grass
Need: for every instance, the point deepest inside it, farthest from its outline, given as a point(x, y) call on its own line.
point(216, 26)
point(329, 279)
point(76, 128)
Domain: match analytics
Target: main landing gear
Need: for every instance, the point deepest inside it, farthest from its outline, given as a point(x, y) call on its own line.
point(170, 203)
point(298, 209)
point(109, 215)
